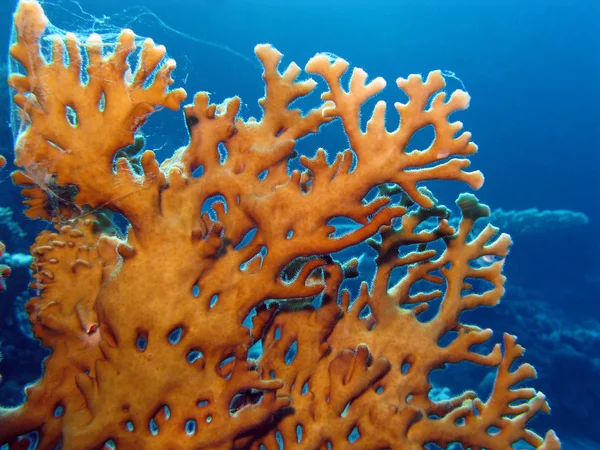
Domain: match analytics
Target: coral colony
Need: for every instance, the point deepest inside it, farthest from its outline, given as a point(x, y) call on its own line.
point(149, 347)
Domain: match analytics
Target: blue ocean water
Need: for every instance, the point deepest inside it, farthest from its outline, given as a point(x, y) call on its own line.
point(532, 70)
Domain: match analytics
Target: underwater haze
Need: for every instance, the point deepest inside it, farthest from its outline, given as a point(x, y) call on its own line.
point(532, 70)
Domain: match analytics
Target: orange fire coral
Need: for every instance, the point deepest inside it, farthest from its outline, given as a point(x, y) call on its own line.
point(149, 350)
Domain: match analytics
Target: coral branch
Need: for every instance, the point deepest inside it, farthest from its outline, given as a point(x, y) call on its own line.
point(385, 152)
point(105, 111)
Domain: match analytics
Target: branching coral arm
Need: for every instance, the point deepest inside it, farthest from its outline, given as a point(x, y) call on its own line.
point(386, 153)
point(105, 111)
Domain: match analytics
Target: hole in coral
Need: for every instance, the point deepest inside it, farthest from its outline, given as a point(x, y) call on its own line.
point(167, 412)
point(208, 206)
point(379, 389)
point(354, 435)
point(208, 419)
point(196, 291)
point(279, 440)
point(405, 368)
point(71, 116)
point(345, 411)
point(492, 431)
point(190, 427)
point(226, 361)
point(421, 139)
point(34, 439)
point(194, 355)
point(102, 102)
point(59, 410)
point(226, 367)
point(293, 269)
point(256, 350)
point(130, 426)
point(263, 174)
point(247, 322)
point(153, 427)
point(298, 433)
point(175, 336)
point(213, 301)
point(110, 445)
point(290, 234)
point(141, 341)
point(305, 388)
point(291, 353)
point(277, 333)
point(202, 403)
point(254, 263)
point(223, 153)
point(198, 171)
point(246, 239)
point(244, 398)
point(365, 312)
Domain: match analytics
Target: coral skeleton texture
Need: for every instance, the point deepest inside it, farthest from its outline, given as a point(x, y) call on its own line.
point(149, 347)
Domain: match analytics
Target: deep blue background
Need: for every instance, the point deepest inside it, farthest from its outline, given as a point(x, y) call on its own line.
point(532, 69)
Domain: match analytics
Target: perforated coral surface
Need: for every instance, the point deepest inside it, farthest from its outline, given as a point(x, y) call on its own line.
point(148, 337)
